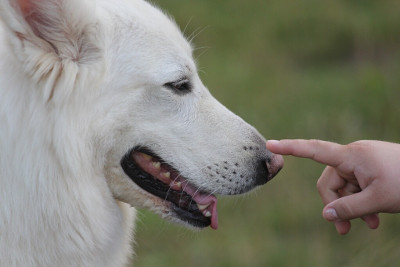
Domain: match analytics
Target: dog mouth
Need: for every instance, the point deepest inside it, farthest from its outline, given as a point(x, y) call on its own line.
point(189, 202)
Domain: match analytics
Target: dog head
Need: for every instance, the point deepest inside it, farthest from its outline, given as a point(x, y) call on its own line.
point(124, 78)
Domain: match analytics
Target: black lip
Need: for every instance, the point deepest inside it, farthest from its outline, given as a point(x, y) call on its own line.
point(182, 203)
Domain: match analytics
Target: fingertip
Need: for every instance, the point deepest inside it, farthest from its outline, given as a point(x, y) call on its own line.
point(277, 147)
point(272, 144)
point(372, 221)
point(330, 214)
point(343, 227)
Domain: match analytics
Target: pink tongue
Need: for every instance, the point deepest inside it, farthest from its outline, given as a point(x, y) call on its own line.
point(203, 199)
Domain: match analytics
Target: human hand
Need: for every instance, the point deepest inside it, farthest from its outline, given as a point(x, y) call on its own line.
point(361, 180)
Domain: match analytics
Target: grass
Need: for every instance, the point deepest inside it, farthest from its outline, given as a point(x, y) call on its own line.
point(308, 69)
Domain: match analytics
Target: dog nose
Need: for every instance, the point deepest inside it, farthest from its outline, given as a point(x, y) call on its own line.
point(274, 165)
point(267, 169)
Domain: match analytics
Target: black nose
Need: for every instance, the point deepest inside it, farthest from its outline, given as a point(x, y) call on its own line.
point(262, 173)
point(268, 169)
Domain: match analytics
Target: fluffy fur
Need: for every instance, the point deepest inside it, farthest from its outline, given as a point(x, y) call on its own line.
point(81, 84)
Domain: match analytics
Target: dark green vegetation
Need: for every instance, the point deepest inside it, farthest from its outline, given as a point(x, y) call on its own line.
point(293, 69)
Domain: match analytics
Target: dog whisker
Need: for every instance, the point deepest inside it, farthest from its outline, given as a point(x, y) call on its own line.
point(202, 71)
point(202, 52)
point(200, 48)
point(187, 24)
point(170, 188)
point(196, 33)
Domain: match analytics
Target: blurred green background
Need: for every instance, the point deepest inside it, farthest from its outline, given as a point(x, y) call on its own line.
point(293, 69)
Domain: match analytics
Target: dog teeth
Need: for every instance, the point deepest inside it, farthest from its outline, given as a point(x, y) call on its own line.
point(176, 185)
point(166, 174)
point(157, 165)
point(145, 156)
point(203, 207)
point(207, 213)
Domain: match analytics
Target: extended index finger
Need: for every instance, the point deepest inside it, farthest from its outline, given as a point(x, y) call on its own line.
point(324, 152)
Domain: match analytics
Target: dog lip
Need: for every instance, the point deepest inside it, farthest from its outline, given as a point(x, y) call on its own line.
point(143, 167)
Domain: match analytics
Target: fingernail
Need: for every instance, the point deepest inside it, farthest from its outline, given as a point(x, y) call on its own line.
point(273, 142)
point(330, 214)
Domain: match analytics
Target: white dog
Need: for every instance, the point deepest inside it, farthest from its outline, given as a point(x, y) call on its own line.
point(101, 105)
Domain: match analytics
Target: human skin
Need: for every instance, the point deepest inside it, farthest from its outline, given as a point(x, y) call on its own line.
point(361, 180)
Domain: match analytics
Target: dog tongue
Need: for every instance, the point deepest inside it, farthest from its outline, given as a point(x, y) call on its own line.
point(203, 199)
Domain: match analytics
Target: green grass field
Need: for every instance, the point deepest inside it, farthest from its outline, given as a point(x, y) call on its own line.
point(293, 69)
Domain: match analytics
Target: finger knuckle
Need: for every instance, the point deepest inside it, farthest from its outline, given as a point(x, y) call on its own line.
point(355, 148)
point(322, 182)
point(361, 146)
point(320, 185)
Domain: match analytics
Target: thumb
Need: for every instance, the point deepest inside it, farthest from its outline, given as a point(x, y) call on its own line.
point(351, 207)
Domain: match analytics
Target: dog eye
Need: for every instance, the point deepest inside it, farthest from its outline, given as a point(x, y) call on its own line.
point(181, 86)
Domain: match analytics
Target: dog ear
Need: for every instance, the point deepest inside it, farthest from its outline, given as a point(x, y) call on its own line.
point(50, 36)
point(59, 26)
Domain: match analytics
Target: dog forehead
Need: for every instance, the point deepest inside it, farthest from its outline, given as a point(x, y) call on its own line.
point(138, 17)
point(151, 40)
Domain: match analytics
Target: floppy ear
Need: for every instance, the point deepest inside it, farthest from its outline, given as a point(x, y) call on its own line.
point(49, 36)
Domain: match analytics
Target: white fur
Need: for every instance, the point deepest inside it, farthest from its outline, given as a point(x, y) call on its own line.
point(80, 87)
